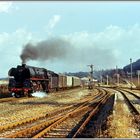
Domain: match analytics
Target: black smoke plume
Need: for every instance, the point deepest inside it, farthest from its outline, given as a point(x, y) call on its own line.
point(45, 50)
point(69, 53)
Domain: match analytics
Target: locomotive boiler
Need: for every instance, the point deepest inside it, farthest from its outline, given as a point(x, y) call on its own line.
point(24, 80)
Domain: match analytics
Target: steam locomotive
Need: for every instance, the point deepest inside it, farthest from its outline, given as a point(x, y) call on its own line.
point(24, 80)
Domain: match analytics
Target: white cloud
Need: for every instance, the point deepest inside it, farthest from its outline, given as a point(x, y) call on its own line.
point(10, 48)
point(52, 23)
point(113, 46)
point(5, 6)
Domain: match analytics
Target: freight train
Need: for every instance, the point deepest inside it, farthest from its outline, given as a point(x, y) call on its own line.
point(25, 80)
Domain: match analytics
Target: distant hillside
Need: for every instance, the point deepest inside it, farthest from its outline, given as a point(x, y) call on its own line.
point(78, 74)
point(97, 74)
point(112, 77)
point(4, 78)
point(135, 67)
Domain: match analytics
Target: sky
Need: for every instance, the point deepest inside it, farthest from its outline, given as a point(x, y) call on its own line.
point(105, 34)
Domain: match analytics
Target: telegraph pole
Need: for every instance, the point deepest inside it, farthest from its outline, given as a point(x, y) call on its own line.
point(138, 72)
point(117, 75)
point(131, 78)
point(91, 75)
point(101, 76)
point(107, 80)
point(138, 78)
point(91, 71)
point(101, 79)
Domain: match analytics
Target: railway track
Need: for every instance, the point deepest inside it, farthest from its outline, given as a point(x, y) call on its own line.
point(63, 126)
point(132, 107)
point(28, 122)
point(49, 120)
point(96, 121)
point(30, 104)
point(7, 109)
point(131, 92)
point(88, 119)
point(7, 99)
point(13, 99)
point(123, 122)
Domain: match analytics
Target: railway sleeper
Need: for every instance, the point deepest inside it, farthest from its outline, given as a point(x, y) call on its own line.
point(70, 115)
point(51, 127)
point(29, 132)
point(30, 120)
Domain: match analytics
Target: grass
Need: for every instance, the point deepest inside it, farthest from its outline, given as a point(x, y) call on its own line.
point(121, 123)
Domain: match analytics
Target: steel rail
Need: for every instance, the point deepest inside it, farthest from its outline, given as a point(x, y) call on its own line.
point(42, 125)
point(131, 106)
point(92, 113)
point(69, 115)
point(22, 133)
point(12, 99)
point(131, 93)
point(33, 119)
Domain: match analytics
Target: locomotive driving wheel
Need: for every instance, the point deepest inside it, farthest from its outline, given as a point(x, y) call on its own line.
point(17, 95)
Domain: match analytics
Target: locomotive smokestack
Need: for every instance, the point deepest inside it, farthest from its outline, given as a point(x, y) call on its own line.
point(23, 64)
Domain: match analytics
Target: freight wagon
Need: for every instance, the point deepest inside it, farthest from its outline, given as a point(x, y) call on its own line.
point(62, 82)
point(76, 81)
point(69, 82)
point(53, 81)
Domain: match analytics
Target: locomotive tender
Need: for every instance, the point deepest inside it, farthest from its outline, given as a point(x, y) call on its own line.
point(24, 80)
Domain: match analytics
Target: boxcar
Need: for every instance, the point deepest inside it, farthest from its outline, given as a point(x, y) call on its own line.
point(53, 81)
point(76, 81)
point(69, 81)
point(62, 82)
